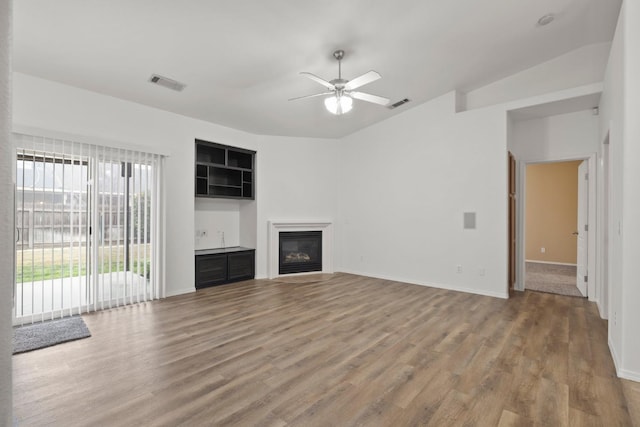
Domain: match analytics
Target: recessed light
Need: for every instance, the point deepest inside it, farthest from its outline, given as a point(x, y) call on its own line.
point(546, 19)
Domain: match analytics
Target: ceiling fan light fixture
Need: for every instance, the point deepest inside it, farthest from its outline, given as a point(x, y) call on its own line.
point(342, 91)
point(338, 104)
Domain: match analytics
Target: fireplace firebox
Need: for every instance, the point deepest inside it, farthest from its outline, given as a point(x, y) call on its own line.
point(300, 251)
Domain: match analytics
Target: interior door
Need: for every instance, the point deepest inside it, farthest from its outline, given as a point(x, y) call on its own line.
point(583, 215)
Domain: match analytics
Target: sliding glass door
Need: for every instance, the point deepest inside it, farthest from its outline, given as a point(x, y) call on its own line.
point(87, 227)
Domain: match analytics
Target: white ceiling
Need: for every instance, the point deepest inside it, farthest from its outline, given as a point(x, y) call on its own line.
point(240, 59)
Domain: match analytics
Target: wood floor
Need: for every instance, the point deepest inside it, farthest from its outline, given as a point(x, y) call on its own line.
point(333, 350)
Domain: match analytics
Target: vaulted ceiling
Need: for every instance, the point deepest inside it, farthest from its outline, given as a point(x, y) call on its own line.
point(241, 59)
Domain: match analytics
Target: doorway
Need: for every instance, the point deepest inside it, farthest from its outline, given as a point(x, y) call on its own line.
point(556, 227)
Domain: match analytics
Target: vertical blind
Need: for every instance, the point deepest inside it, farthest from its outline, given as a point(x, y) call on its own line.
point(88, 227)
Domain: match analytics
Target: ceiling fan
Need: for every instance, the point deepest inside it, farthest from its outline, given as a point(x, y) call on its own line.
point(342, 91)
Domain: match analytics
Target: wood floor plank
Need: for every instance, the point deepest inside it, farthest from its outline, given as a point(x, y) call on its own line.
point(509, 419)
point(631, 390)
point(333, 349)
point(551, 406)
point(578, 418)
point(452, 409)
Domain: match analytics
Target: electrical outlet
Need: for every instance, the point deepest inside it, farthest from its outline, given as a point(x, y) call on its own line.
point(481, 271)
point(543, 250)
point(458, 269)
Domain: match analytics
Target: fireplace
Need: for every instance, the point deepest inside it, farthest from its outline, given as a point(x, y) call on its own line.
point(276, 227)
point(300, 251)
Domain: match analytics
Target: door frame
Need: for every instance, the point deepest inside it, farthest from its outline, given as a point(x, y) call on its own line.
point(513, 221)
point(521, 176)
point(582, 255)
point(604, 228)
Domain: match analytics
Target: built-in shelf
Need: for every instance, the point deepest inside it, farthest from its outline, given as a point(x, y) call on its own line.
point(222, 171)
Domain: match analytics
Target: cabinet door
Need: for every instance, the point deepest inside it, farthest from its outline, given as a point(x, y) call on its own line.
point(210, 270)
point(241, 265)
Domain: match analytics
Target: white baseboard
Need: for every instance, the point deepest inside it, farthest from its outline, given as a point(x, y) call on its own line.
point(629, 375)
point(622, 373)
point(501, 295)
point(614, 356)
point(601, 311)
point(549, 262)
point(180, 291)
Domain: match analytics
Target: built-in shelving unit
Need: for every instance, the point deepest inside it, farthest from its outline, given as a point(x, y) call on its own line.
point(224, 265)
point(223, 171)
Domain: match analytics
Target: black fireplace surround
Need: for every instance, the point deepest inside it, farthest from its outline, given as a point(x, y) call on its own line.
point(300, 251)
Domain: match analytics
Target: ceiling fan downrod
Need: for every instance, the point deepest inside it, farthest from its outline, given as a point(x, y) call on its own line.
point(339, 54)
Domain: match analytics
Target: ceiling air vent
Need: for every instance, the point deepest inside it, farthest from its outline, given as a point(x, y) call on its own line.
point(399, 103)
point(167, 82)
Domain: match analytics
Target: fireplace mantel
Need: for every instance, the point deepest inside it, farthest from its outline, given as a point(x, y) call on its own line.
point(275, 227)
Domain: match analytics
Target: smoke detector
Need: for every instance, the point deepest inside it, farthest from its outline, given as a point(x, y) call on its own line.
point(546, 19)
point(167, 82)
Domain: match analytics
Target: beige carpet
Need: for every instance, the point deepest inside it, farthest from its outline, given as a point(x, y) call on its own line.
point(551, 278)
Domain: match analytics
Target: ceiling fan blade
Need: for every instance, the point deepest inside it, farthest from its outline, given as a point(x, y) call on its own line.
point(312, 96)
point(369, 98)
point(318, 80)
point(364, 79)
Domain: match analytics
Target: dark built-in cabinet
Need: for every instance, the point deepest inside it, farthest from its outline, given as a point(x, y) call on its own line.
point(223, 171)
point(225, 265)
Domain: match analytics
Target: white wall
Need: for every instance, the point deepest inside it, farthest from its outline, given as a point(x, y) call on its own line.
point(611, 121)
point(631, 194)
point(6, 216)
point(559, 137)
point(620, 109)
point(405, 185)
point(576, 68)
point(297, 180)
point(215, 217)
